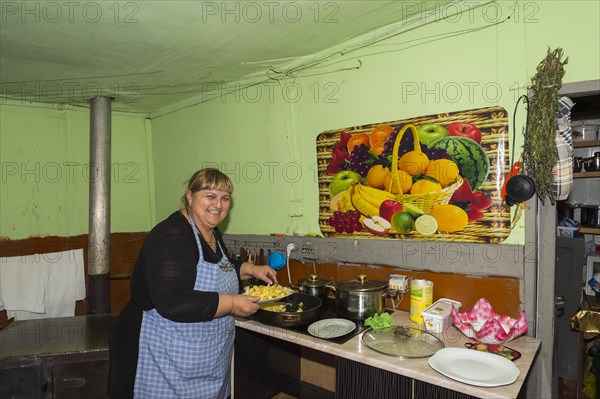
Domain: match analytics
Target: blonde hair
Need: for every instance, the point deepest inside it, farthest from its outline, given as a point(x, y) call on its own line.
point(207, 179)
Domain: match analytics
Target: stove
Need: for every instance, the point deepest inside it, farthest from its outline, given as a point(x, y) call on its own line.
point(329, 311)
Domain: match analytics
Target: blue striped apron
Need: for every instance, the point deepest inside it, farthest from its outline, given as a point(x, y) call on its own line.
point(189, 360)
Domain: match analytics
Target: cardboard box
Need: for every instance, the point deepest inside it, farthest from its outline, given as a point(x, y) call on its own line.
point(437, 316)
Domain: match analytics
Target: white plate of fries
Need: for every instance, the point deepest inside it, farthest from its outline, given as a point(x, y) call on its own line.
point(269, 293)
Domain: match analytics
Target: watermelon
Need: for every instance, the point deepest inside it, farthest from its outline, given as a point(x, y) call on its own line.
point(473, 163)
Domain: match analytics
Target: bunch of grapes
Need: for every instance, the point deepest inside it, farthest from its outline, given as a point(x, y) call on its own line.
point(407, 143)
point(436, 153)
point(345, 222)
point(361, 160)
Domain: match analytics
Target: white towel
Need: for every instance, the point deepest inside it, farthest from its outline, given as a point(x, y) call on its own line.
point(42, 285)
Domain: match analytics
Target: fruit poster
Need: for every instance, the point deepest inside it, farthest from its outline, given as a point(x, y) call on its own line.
point(435, 177)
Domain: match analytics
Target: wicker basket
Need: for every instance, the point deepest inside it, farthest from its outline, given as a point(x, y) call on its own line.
point(425, 201)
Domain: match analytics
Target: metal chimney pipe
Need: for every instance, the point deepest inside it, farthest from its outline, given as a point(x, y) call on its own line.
point(99, 213)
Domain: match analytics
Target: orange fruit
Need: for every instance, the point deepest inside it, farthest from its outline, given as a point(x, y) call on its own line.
point(376, 176)
point(443, 170)
point(414, 163)
point(358, 139)
point(405, 182)
point(450, 218)
point(425, 186)
point(377, 148)
point(380, 134)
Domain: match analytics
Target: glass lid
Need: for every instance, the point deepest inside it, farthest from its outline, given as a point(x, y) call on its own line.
point(406, 342)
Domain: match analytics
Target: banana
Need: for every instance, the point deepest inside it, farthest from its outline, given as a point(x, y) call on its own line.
point(361, 204)
point(374, 196)
point(345, 203)
point(380, 195)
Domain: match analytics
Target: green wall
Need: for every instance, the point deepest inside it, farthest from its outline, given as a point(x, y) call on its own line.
point(264, 138)
point(472, 60)
point(44, 155)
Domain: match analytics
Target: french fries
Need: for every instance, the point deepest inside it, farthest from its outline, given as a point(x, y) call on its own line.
point(279, 307)
point(266, 292)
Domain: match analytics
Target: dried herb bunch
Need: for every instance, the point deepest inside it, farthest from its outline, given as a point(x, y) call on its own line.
point(540, 147)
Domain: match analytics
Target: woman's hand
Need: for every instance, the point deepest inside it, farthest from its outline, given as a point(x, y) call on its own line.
point(245, 305)
point(264, 273)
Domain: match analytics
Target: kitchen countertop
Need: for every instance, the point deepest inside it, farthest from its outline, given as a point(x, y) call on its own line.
point(419, 369)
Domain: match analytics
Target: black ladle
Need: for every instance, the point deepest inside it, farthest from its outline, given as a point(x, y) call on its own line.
point(519, 188)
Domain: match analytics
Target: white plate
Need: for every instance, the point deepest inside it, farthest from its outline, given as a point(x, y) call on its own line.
point(474, 367)
point(331, 328)
point(271, 299)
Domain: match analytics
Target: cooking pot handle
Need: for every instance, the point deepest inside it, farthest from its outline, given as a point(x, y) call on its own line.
point(331, 284)
point(393, 295)
point(289, 318)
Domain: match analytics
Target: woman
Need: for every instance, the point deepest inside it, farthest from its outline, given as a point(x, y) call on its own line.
point(174, 338)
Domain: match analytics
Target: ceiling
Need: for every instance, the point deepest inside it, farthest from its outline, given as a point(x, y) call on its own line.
point(154, 57)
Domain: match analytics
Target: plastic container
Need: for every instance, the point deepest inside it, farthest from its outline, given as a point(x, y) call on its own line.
point(564, 231)
point(584, 132)
point(437, 316)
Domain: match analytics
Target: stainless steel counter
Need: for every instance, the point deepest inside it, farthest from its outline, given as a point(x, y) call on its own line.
point(64, 357)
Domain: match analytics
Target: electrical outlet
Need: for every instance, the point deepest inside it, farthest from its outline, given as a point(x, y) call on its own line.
point(398, 282)
point(308, 251)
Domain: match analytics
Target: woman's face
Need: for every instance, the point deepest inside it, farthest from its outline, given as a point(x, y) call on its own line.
point(208, 207)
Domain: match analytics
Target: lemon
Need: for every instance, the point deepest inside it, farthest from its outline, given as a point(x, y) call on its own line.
point(450, 218)
point(413, 210)
point(425, 186)
point(414, 163)
point(443, 170)
point(426, 225)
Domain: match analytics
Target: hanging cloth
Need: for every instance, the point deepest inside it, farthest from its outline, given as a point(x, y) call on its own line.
point(562, 172)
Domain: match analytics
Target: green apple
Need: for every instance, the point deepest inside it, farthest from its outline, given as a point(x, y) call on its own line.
point(430, 132)
point(342, 180)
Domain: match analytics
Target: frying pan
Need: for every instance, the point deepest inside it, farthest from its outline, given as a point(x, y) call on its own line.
point(519, 188)
point(292, 318)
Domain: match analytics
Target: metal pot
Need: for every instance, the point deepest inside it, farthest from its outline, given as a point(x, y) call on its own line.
point(292, 318)
point(590, 215)
point(592, 164)
point(577, 164)
point(566, 209)
point(315, 286)
point(360, 298)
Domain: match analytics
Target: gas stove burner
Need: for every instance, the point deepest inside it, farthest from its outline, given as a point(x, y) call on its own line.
point(328, 311)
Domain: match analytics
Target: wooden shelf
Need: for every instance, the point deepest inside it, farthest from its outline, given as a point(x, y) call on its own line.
point(589, 230)
point(586, 144)
point(581, 175)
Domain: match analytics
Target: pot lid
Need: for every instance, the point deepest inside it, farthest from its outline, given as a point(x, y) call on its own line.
point(406, 342)
point(361, 284)
point(312, 281)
